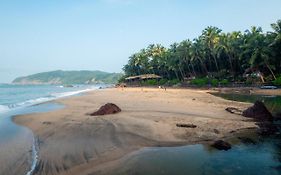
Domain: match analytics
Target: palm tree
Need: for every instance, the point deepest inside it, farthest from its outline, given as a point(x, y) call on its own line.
point(276, 43)
point(229, 44)
point(259, 51)
point(211, 37)
point(198, 53)
point(183, 52)
point(277, 32)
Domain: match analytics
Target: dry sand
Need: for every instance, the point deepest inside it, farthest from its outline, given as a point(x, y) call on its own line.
point(72, 142)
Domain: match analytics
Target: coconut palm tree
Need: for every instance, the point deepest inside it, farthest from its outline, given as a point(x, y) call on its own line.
point(276, 43)
point(258, 50)
point(210, 36)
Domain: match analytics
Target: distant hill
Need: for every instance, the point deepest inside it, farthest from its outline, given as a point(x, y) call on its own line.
point(69, 77)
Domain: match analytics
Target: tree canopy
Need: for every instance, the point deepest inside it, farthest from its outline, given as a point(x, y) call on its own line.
point(214, 54)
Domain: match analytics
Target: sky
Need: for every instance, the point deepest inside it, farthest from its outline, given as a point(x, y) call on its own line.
point(38, 36)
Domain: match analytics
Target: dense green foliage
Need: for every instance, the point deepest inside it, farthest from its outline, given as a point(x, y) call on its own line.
point(214, 57)
point(69, 77)
point(277, 82)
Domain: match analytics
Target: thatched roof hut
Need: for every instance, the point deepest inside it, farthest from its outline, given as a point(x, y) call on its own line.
point(143, 77)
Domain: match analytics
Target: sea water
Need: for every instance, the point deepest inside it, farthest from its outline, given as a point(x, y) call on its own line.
point(16, 96)
point(17, 143)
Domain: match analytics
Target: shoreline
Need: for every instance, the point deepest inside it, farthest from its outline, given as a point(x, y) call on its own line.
point(241, 90)
point(148, 119)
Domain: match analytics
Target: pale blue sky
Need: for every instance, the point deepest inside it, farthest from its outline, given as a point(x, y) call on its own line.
point(37, 35)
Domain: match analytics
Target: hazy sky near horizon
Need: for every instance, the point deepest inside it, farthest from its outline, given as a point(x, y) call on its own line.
point(38, 36)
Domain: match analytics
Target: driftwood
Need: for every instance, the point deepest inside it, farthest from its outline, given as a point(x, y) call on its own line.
point(234, 110)
point(182, 125)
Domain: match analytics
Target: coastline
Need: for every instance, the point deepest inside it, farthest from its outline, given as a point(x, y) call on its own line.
point(72, 142)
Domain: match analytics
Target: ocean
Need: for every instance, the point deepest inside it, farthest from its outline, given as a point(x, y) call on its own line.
point(19, 96)
point(18, 153)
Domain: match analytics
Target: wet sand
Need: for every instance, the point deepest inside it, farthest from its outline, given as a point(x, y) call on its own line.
point(72, 142)
point(15, 155)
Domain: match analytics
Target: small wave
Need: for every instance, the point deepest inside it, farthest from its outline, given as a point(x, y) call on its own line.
point(66, 94)
point(4, 108)
point(43, 99)
point(31, 102)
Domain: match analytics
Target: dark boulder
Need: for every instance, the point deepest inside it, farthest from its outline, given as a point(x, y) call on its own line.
point(267, 128)
point(221, 145)
point(108, 108)
point(258, 111)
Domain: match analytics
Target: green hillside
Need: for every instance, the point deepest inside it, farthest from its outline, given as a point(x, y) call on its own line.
point(69, 77)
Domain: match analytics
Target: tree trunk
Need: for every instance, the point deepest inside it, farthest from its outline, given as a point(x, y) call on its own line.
point(176, 74)
point(181, 73)
point(230, 62)
point(261, 76)
point(204, 66)
point(168, 74)
point(192, 66)
point(216, 63)
point(271, 71)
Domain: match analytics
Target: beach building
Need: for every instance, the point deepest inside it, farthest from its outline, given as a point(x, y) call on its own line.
point(138, 79)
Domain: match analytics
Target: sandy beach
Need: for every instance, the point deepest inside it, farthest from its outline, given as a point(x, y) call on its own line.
point(72, 142)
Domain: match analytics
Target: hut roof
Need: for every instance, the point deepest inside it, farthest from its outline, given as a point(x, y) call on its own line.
point(144, 76)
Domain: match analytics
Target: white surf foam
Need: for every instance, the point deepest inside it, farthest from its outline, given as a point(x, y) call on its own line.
point(66, 94)
point(34, 158)
point(39, 100)
point(4, 108)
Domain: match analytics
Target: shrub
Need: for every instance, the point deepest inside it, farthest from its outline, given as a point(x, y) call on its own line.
point(163, 81)
point(214, 82)
point(224, 82)
point(121, 79)
point(205, 81)
point(174, 81)
point(150, 82)
point(277, 82)
point(200, 81)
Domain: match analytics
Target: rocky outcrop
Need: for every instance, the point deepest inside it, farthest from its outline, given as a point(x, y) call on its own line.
point(258, 112)
point(106, 109)
point(221, 145)
point(263, 117)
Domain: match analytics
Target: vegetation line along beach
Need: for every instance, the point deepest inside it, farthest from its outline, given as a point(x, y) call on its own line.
point(213, 58)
